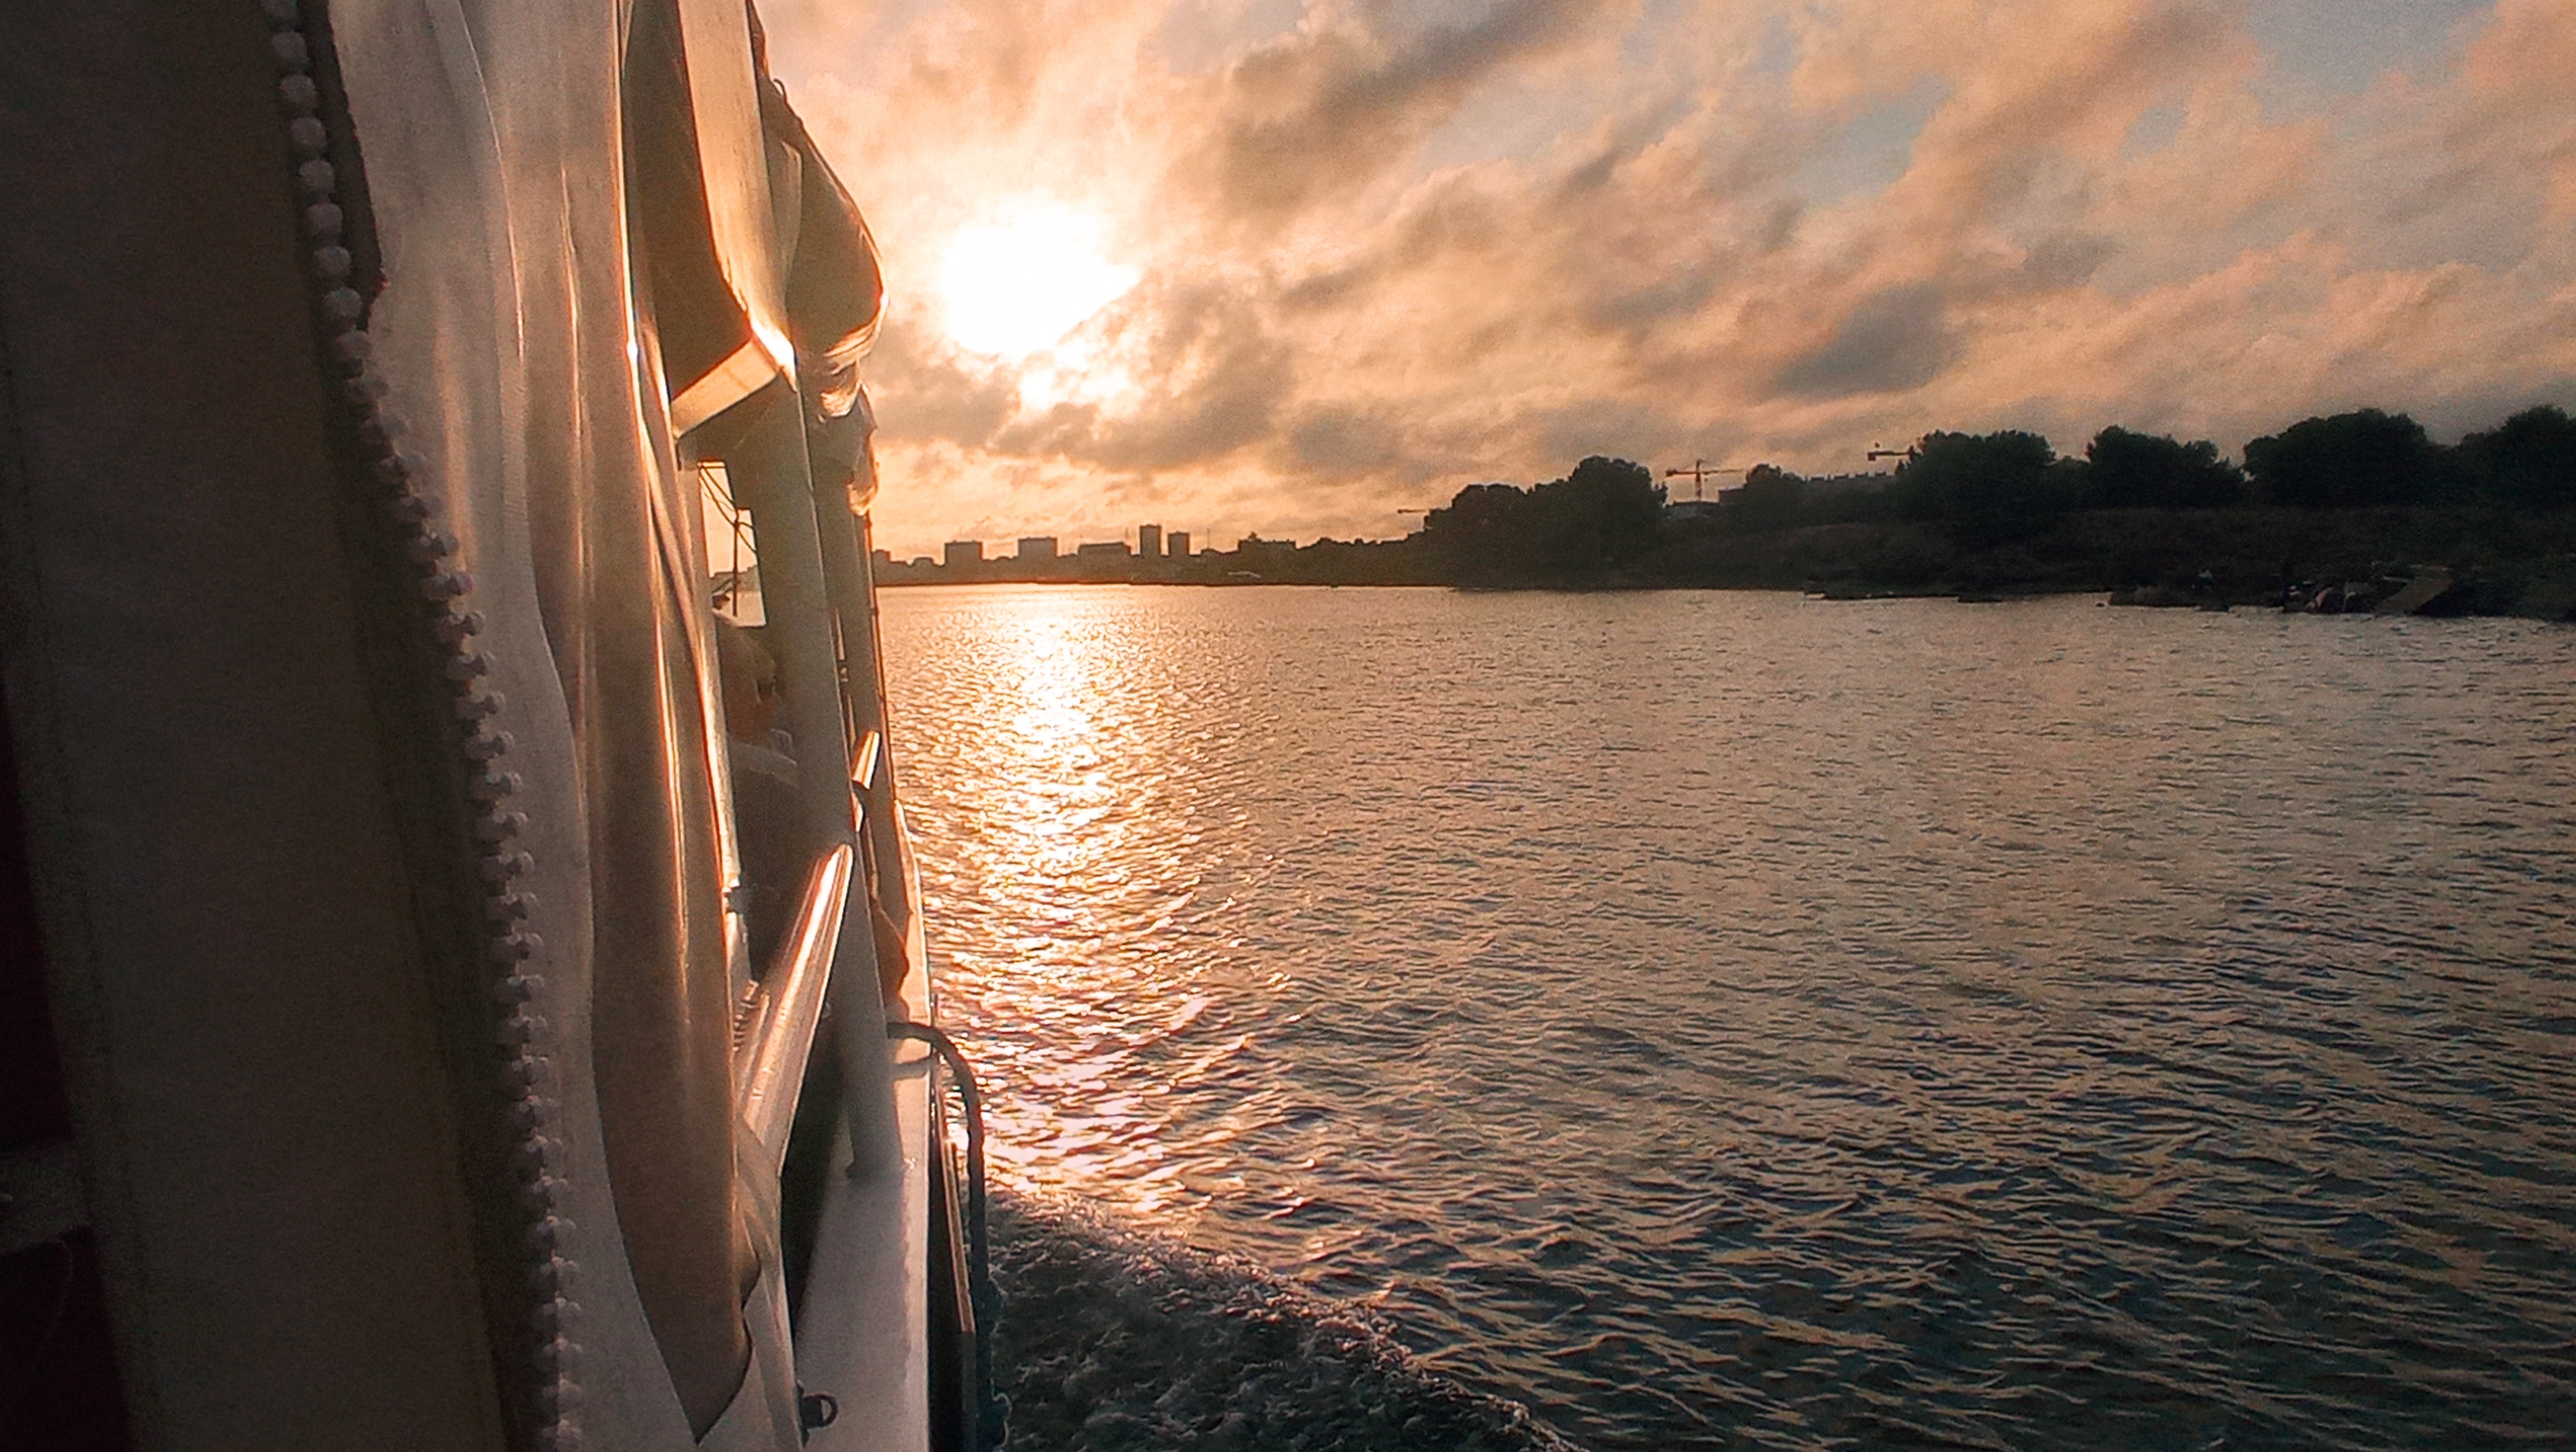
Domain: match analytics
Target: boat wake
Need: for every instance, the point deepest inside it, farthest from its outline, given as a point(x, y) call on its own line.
point(1113, 1338)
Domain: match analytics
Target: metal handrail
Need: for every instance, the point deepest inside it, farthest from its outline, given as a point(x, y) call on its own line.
point(771, 1069)
point(992, 1411)
point(863, 761)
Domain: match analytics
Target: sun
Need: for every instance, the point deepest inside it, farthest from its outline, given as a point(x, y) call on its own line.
point(1015, 285)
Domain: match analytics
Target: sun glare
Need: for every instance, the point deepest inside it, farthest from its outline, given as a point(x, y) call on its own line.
point(1016, 285)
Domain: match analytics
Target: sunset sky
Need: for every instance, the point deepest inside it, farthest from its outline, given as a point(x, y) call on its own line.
point(1263, 265)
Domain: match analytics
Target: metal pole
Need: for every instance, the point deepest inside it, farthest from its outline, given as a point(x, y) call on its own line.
point(823, 595)
point(773, 483)
point(845, 560)
point(875, 1140)
point(845, 564)
point(777, 486)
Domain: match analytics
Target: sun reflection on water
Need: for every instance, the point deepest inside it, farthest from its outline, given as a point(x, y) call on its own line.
point(1050, 786)
point(1069, 806)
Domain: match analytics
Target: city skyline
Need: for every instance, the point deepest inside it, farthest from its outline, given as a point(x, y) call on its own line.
point(1174, 544)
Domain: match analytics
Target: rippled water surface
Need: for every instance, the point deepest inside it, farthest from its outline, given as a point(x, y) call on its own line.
point(1728, 1019)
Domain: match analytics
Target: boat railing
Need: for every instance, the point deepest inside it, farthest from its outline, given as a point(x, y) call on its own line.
point(788, 1008)
point(863, 762)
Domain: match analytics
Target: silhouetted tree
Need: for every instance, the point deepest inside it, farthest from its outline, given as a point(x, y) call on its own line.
point(1570, 530)
point(1597, 518)
point(1772, 498)
point(1480, 509)
point(2127, 470)
point(2529, 462)
point(1988, 488)
point(1484, 536)
point(2366, 457)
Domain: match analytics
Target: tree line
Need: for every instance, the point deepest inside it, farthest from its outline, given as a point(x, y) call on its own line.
point(1987, 490)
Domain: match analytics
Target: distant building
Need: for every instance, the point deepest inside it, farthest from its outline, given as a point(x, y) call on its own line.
point(1179, 548)
point(879, 559)
point(1036, 547)
point(1149, 541)
point(1115, 549)
point(1692, 509)
point(962, 554)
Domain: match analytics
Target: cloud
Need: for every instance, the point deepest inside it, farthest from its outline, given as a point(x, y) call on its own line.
point(1217, 379)
point(1391, 247)
point(1342, 98)
point(1338, 440)
point(2068, 259)
point(1896, 339)
point(935, 392)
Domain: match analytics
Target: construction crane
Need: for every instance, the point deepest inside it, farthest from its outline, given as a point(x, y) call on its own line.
point(1699, 473)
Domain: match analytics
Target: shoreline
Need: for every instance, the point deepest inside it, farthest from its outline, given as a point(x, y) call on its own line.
point(2145, 599)
point(2334, 561)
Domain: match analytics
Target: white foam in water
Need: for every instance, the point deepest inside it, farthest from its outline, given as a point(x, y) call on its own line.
point(1115, 1338)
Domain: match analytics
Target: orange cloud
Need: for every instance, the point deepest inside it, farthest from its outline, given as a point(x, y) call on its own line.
point(1389, 247)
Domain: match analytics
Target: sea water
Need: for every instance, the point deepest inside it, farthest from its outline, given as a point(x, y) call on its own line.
point(1744, 1020)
